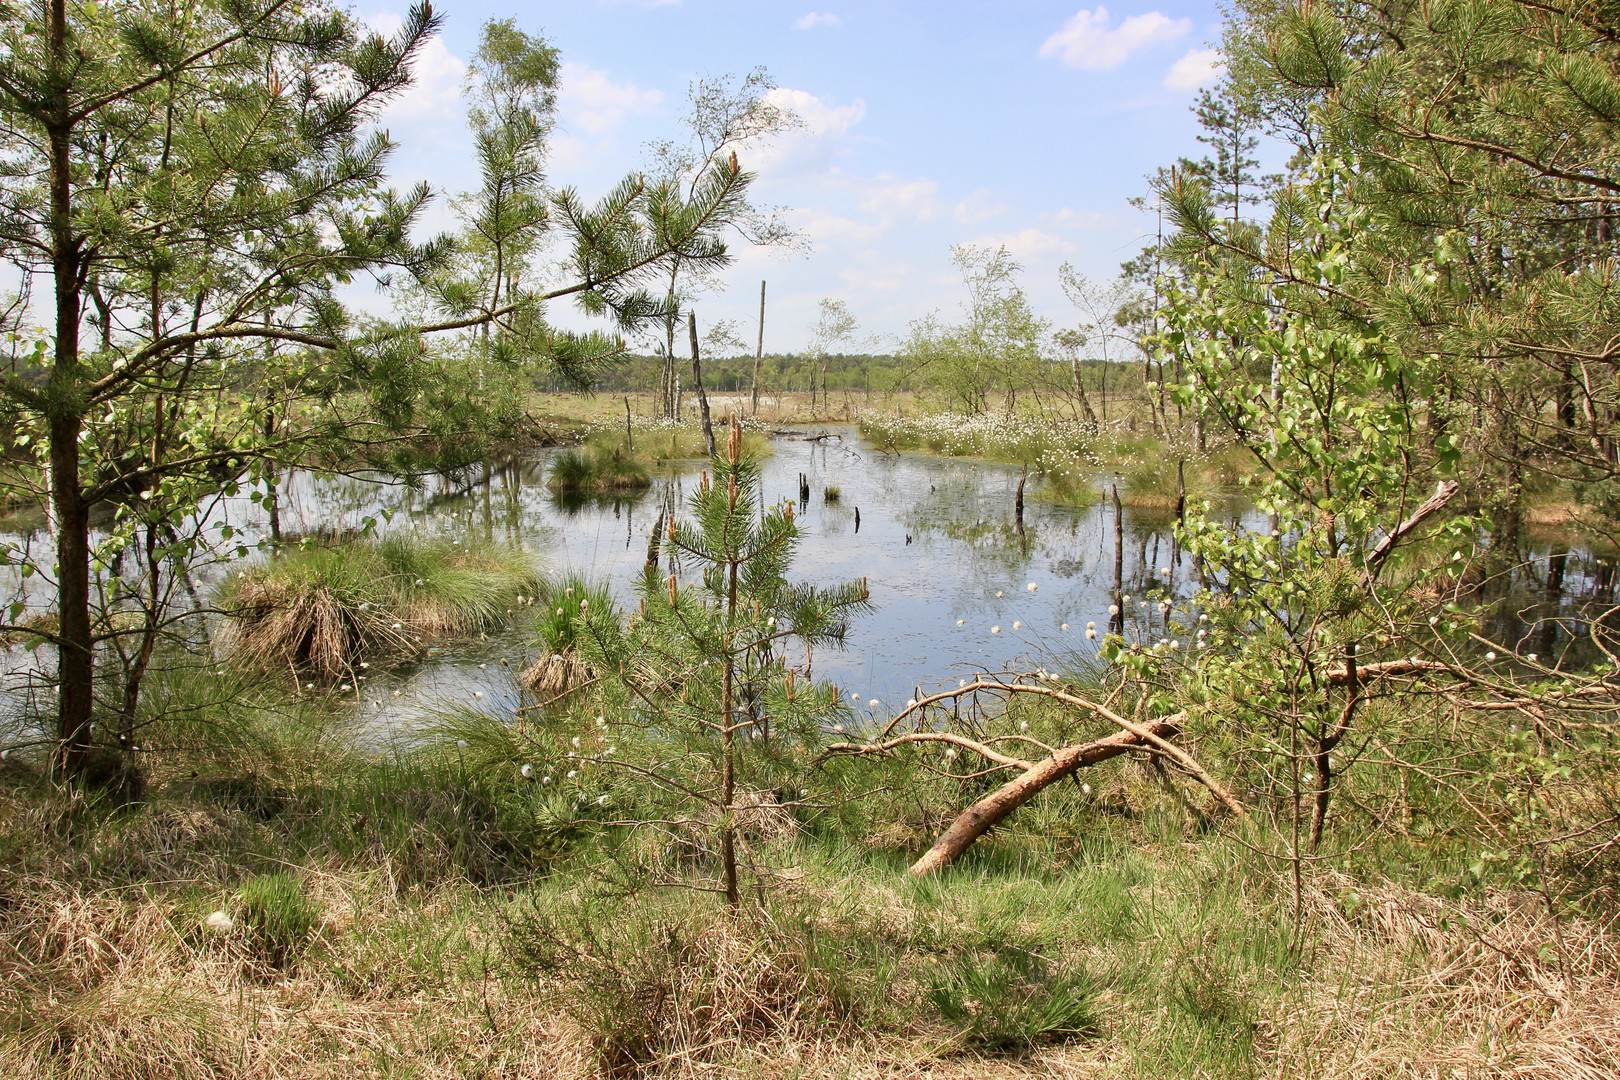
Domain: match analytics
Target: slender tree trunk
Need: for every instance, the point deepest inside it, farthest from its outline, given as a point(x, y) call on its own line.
point(697, 382)
point(1080, 389)
point(759, 352)
point(75, 659)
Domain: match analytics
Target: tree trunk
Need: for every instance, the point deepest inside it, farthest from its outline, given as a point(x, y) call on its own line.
point(759, 352)
point(697, 382)
point(985, 814)
point(75, 659)
point(1080, 388)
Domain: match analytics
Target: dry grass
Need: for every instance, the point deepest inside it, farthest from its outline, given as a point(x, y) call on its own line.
point(1418, 988)
point(323, 607)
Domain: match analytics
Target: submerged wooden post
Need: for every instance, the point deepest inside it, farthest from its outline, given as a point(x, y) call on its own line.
point(1117, 623)
point(629, 437)
point(1181, 489)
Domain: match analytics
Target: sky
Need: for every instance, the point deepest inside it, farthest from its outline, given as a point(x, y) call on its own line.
point(1018, 122)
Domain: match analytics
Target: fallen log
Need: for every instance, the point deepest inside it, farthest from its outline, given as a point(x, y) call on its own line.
point(983, 815)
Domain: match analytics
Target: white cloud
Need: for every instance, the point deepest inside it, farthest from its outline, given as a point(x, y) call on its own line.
point(889, 197)
point(818, 18)
point(813, 148)
point(1068, 218)
point(1200, 67)
point(1028, 243)
point(877, 278)
point(979, 206)
point(589, 100)
point(1090, 41)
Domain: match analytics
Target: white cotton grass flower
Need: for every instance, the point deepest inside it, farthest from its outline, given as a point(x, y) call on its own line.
point(1491, 655)
point(601, 800)
point(1085, 789)
point(478, 693)
point(481, 667)
point(544, 780)
point(961, 684)
point(1164, 571)
point(1113, 609)
point(854, 697)
point(461, 744)
point(873, 703)
point(1091, 626)
point(911, 703)
point(1203, 618)
point(527, 771)
point(1023, 725)
point(610, 751)
point(1126, 598)
point(399, 693)
point(1530, 657)
point(838, 729)
point(995, 629)
point(1091, 634)
point(804, 793)
point(960, 622)
point(1017, 625)
point(1065, 626)
point(572, 773)
point(574, 742)
point(218, 920)
point(1031, 586)
point(399, 626)
point(950, 753)
point(998, 594)
point(1175, 643)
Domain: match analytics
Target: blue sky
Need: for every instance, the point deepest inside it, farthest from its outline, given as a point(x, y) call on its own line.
point(1019, 122)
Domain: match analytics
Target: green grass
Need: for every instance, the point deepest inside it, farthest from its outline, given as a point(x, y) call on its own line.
point(324, 606)
point(431, 911)
point(602, 465)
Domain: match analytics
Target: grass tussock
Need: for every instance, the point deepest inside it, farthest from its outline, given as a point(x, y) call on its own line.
point(322, 607)
point(602, 465)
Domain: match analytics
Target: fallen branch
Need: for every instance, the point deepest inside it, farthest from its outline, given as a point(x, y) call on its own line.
point(983, 815)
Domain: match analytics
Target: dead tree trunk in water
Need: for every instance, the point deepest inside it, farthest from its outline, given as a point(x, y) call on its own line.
point(697, 382)
point(759, 352)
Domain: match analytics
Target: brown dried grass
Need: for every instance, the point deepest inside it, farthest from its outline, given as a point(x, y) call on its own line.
point(293, 625)
point(1409, 986)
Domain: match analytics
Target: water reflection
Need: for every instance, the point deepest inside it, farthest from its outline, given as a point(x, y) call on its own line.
point(939, 541)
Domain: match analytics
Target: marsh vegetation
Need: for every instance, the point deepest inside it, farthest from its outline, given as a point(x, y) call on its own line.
point(1223, 685)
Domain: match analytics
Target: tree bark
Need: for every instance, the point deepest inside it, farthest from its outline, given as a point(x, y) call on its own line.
point(989, 811)
point(75, 658)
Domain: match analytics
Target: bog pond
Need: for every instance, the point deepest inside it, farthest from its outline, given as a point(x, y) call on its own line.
point(956, 585)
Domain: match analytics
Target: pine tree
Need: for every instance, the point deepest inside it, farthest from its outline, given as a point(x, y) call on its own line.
point(196, 184)
point(714, 664)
